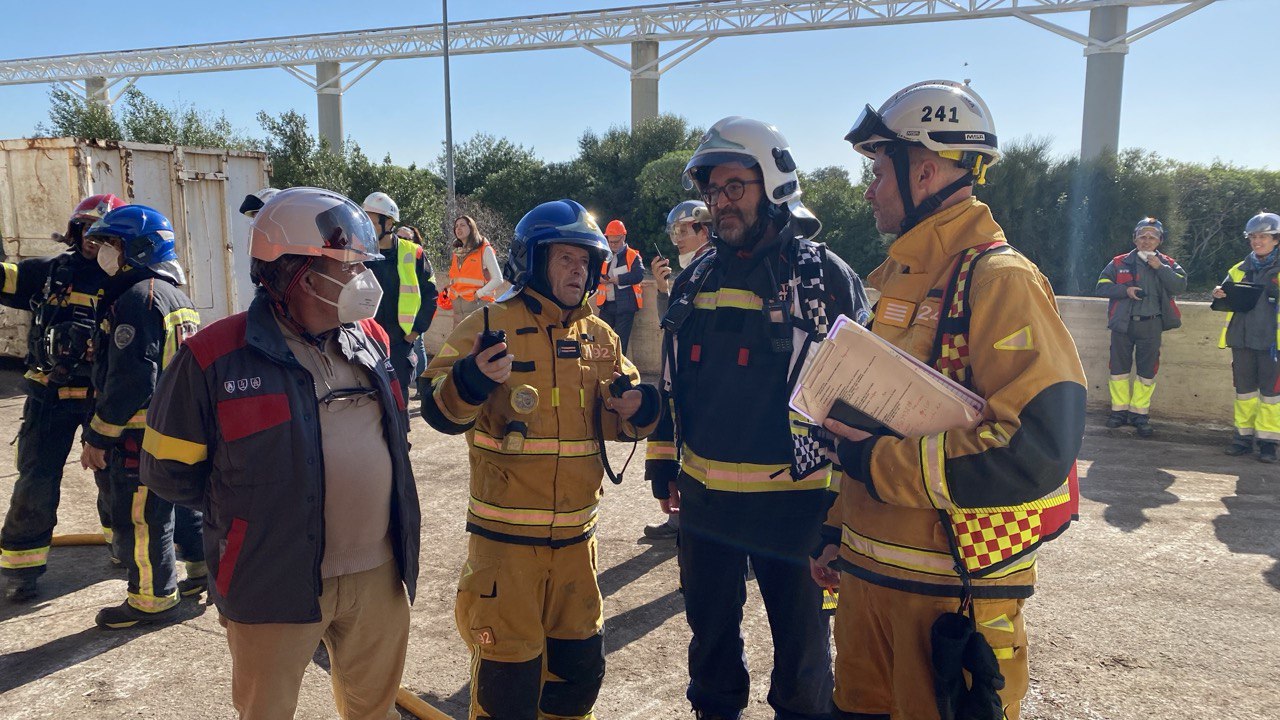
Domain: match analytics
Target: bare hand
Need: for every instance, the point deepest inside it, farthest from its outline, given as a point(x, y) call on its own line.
point(1132, 291)
point(662, 273)
point(820, 571)
point(92, 458)
point(1218, 292)
point(495, 362)
point(671, 504)
point(1154, 261)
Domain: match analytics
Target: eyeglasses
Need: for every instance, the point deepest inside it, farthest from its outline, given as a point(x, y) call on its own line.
point(343, 398)
point(734, 190)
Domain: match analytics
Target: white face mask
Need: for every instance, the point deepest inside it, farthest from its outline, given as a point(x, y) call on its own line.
point(359, 297)
point(109, 259)
point(686, 258)
point(1145, 255)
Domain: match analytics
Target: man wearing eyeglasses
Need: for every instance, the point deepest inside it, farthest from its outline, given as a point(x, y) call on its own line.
point(751, 488)
point(286, 425)
point(537, 406)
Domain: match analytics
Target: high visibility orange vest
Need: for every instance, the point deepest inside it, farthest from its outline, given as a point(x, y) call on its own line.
point(467, 275)
point(602, 295)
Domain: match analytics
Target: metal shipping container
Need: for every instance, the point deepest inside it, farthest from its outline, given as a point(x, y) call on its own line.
point(198, 189)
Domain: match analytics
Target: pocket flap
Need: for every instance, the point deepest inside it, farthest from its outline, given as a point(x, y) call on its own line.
point(244, 416)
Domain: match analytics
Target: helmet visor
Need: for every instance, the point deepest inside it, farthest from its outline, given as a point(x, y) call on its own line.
point(310, 221)
point(869, 125)
point(347, 234)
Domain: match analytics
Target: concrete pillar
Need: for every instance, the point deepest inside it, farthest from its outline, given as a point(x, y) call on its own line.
point(329, 104)
point(95, 91)
point(1103, 83)
point(644, 84)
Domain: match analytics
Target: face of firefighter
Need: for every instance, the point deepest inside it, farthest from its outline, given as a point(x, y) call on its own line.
point(687, 239)
point(930, 173)
point(734, 219)
point(88, 246)
point(1263, 243)
point(882, 194)
point(567, 273)
point(1147, 241)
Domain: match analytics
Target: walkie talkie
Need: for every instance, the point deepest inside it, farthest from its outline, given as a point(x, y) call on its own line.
point(489, 338)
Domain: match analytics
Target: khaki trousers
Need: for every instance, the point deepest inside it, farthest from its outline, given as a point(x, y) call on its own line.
point(364, 624)
point(883, 663)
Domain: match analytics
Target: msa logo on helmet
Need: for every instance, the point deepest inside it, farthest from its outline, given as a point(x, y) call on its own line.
point(975, 137)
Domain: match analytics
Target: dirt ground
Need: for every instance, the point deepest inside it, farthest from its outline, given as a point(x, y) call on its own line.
point(1162, 602)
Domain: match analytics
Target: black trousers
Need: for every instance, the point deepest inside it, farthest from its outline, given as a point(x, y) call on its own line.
point(147, 528)
point(713, 574)
point(1140, 343)
point(44, 441)
point(620, 321)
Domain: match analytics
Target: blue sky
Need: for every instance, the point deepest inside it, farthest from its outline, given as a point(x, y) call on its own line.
point(1198, 90)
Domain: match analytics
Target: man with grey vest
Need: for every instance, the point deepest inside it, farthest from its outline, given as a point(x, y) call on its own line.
point(1141, 285)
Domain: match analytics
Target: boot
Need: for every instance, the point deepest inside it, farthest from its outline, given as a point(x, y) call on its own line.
point(22, 590)
point(1118, 418)
point(124, 615)
point(1141, 424)
point(1266, 452)
point(665, 530)
point(193, 586)
point(1240, 446)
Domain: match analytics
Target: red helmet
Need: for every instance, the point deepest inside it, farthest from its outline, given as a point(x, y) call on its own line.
point(92, 208)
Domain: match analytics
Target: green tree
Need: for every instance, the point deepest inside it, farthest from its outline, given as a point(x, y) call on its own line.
point(613, 162)
point(72, 116)
point(848, 225)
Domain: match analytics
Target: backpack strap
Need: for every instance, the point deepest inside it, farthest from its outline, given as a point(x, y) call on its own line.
point(950, 355)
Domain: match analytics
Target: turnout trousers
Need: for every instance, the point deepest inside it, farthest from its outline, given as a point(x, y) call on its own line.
point(1140, 346)
point(146, 529)
point(713, 575)
point(45, 438)
point(1257, 405)
point(533, 618)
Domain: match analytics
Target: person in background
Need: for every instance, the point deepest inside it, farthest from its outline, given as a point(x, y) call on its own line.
point(1140, 285)
point(620, 295)
point(1253, 335)
point(474, 273)
point(689, 228)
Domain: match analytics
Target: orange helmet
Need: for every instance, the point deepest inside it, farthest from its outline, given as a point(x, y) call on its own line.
point(615, 227)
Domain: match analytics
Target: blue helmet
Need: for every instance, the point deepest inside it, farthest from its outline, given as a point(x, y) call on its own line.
point(146, 235)
point(561, 221)
point(1149, 222)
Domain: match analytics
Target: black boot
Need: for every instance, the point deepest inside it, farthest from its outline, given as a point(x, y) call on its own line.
point(124, 615)
point(1266, 452)
point(1141, 424)
point(21, 590)
point(1118, 418)
point(1242, 445)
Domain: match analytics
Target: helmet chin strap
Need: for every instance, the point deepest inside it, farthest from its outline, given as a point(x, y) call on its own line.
point(912, 214)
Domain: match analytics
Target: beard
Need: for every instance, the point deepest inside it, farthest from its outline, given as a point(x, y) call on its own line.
point(741, 233)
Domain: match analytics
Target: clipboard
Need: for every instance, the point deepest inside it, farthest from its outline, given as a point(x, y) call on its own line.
point(1241, 297)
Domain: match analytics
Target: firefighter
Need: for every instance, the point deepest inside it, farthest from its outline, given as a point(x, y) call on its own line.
point(474, 273)
point(752, 488)
point(536, 406)
point(1253, 335)
point(1141, 285)
point(689, 227)
point(936, 535)
point(285, 423)
point(620, 295)
point(61, 292)
point(143, 318)
point(408, 287)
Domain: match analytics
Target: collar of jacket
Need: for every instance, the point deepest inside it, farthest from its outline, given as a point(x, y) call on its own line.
point(936, 240)
point(550, 313)
point(262, 332)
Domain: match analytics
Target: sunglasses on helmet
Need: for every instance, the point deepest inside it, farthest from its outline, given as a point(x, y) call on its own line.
point(870, 125)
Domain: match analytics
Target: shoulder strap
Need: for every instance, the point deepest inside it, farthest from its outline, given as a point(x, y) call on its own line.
point(950, 354)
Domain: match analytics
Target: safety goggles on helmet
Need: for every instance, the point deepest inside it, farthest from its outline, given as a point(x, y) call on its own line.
point(870, 125)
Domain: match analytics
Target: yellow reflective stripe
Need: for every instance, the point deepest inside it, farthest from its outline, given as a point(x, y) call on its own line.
point(166, 447)
point(1236, 273)
point(152, 603)
point(1104, 281)
point(73, 393)
point(10, 278)
point(660, 450)
point(141, 543)
point(537, 446)
point(748, 477)
point(409, 300)
point(138, 421)
point(1003, 653)
point(555, 397)
point(37, 376)
point(582, 397)
point(728, 298)
point(929, 562)
point(108, 534)
point(15, 559)
point(102, 427)
point(532, 516)
point(933, 470)
point(83, 299)
point(174, 339)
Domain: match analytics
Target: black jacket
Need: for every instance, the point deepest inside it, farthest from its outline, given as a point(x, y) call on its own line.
point(235, 432)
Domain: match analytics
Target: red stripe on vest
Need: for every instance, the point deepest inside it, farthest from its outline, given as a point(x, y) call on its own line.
point(219, 339)
point(242, 417)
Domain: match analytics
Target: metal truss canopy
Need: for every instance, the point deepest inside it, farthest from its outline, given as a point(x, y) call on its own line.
point(692, 23)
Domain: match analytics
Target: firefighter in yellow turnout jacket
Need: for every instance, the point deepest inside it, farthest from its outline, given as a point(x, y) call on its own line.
point(929, 527)
point(535, 418)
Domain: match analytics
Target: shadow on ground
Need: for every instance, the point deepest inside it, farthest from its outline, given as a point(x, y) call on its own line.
point(1252, 522)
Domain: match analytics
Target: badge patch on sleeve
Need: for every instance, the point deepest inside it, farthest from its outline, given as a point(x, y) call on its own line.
point(895, 312)
point(124, 335)
point(1020, 340)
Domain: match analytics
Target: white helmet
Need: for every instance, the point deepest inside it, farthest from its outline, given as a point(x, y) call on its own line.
point(754, 144)
point(688, 211)
point(382, 204)
point(941, 115)
point(254, 201)
point(1263, 222)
